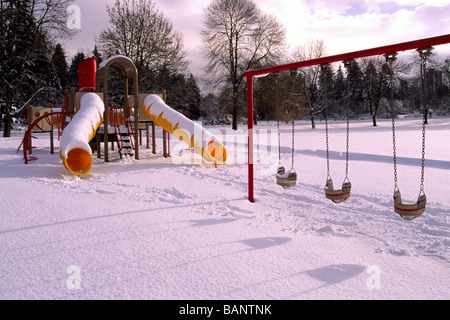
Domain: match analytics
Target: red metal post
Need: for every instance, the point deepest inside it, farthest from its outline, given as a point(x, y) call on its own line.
point(250, 137)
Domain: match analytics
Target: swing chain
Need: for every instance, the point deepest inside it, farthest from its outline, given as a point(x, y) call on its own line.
point(278, 116)
point(347, 65)
point(422, 177)
point(328, 148)
point(348, 141)
point(293, 141)
point(390, 58)
point(395, 154)
point(293, 74)
point(424, 54)
point(324, 68)
point(327, 145)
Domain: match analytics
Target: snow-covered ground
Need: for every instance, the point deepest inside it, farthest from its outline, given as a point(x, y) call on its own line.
point(160, 228)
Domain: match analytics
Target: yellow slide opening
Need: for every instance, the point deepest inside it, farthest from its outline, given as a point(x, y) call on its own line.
point(78, 161)
point(217, 151)
point(75, 153)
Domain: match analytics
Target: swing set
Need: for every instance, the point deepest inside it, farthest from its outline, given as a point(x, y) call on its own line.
point(287, 179)
point(340, 195)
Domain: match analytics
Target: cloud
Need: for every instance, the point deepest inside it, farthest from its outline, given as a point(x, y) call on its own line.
point(351, 25)
point(183, 7)
point(344, 25)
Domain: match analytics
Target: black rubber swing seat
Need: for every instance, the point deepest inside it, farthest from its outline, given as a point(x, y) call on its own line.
point(337, 196)
point(288, 179)
point(409, 211)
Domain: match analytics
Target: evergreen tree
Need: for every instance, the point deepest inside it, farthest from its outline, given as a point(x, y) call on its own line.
point(194, 98)
point(15, 56)
point(26, 27)
point(73, 70)
point(97, 55)
point(354, 88)
point(326, 85)
point(176, 92)
point(59, 62)
point(339, 89)
point(371, 89)
point(45, 76)
point(184, 95)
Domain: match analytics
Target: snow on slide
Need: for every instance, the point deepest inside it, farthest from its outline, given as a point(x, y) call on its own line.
point(75, 153)
point(203, 142)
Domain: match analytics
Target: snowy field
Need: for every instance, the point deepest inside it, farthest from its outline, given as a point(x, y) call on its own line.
point(160, 228)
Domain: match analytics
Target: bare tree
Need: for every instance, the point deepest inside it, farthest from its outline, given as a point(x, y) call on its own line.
point(140, 31)
point(26, 27)
point(375, 83)
point(238, 36)
point(308, 91)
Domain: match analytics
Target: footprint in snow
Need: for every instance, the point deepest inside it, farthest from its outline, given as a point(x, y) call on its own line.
point(329, 230)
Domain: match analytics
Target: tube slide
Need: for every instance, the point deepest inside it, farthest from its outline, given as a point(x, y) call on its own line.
point(75, 153)
point(203, 142)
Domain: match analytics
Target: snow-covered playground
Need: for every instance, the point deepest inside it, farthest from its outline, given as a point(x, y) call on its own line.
point(162, 228)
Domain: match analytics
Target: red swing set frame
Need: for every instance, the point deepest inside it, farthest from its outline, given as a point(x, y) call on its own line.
point(385, 50)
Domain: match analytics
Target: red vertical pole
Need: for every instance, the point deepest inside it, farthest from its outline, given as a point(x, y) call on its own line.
point(250, 137)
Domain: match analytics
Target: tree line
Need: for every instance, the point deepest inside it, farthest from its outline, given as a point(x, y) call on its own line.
point(236, 36)
point(28, 30)
point(34, 66)
point(363, 86)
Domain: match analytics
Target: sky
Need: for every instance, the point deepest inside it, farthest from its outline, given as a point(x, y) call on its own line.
point(344, 25)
